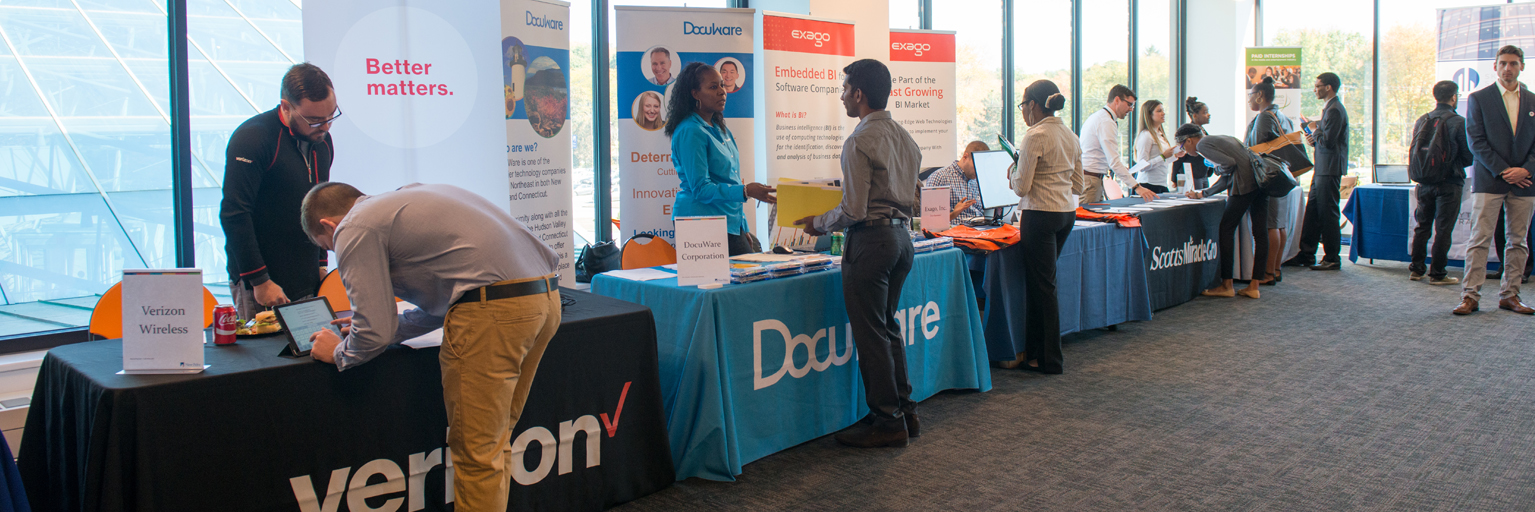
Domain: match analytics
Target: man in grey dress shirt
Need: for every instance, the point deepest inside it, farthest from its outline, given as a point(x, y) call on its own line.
point(879, 197)
point(470, 268)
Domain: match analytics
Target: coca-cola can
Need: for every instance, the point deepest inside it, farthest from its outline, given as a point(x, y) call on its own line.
point(225, 321)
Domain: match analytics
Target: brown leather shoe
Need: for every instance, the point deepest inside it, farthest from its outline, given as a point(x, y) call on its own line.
point(1467, 306)
point(1515, 305)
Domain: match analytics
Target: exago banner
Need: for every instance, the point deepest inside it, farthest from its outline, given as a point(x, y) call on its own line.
point(654, 44)
point(922, 93)
point(535, 104)
point(413, 79)
point(802, 61)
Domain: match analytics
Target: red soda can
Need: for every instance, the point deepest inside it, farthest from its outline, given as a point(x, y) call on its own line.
point(225, 321)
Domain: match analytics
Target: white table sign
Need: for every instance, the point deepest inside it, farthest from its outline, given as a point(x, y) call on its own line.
point(703, 253)
point(935, 209)
point(163, 320)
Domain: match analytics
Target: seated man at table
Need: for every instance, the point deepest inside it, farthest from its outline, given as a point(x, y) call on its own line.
point(470, 268)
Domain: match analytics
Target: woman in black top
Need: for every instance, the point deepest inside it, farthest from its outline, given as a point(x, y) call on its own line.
point(1268, 125)
point(1199, 115)
point(1235, 164)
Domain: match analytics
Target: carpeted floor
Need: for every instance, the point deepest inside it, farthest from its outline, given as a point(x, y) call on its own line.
point(1336, 390)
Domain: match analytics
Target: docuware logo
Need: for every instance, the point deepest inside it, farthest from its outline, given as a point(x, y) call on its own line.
point(711, 29)
point(355, 488)
point(925, 319)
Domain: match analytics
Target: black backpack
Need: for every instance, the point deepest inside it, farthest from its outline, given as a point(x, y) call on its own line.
point(1429, 159)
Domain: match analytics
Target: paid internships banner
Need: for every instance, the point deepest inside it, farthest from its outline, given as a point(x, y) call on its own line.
point(414, 79)
point(654, 44)
point(805, 122)
point(1282, 63)
point(922, 92)
point(535, 104)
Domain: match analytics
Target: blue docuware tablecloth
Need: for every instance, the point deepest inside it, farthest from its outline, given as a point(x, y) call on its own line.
point(736, 384)
point(1379, 216)
point(1100, 280)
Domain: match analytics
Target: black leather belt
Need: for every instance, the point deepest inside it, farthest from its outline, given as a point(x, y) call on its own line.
point(507, 291)
point(1095, 175)
point(878, 223)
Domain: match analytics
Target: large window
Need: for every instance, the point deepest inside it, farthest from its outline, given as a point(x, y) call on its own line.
point(906, 14)
point(977, 68)
point(1341, 42)
point(1041, 51)
point(1153, 64)
point(582, 134)
point(1407, 70)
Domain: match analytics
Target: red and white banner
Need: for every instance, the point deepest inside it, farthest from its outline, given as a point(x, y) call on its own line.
point(805, 122)
point(922, 92)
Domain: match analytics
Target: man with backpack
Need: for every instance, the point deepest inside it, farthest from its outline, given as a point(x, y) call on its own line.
point(1437, 162)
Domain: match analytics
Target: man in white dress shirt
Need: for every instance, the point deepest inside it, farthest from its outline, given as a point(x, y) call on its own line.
point(1100, 148)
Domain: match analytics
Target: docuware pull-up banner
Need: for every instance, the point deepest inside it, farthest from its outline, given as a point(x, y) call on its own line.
point(802, 61)
point(654, 45)
point(414, 80)
point(535, 104)
point(922, 92)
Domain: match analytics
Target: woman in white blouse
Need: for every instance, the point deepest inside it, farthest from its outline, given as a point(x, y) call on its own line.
point(1047, 178)
point(1153, 149)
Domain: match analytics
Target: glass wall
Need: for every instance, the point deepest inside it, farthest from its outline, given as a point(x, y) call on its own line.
point(1408, 31)
point(906, 14)
point(977, 67)
point(1041, 51)
point(1340, 42)
point(1153, 63)
point(1106, 59)
point(582, 133)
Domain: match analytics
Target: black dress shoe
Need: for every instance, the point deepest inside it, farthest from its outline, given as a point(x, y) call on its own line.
point(1045, 369)
point(1495, 275)
point(1327, 265)
point(913, 425)
point(871, 437)
point(1296, 262)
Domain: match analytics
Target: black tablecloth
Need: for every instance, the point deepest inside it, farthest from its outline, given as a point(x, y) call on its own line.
point(258, 432)
point(1182, 257)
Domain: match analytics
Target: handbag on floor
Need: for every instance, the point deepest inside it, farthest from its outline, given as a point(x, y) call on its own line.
point(596, 259)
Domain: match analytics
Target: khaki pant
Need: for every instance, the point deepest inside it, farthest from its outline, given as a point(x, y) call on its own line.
point(1092, 190)
point(490, 352)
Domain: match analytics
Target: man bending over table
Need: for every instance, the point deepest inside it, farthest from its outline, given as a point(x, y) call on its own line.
point(470, 269)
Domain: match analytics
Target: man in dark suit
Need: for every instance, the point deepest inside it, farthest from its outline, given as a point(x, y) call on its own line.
point(1330, 138)
point(1500, 125)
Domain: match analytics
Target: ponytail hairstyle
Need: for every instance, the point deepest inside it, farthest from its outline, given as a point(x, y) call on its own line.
point(1192, 105)
point(683, 104)
point(1045, 94)
point(1265, 88)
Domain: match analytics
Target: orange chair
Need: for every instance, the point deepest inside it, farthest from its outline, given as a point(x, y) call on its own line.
point(334, 292)
point(644, 251)
point(107, 317)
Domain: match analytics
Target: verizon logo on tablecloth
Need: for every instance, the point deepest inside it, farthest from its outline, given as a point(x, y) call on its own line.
point(807, 36)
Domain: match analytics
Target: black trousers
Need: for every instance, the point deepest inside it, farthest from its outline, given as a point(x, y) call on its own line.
point(1155, 188)
point(1041, 237)
point(1256, 205)
point(1438, 207)
point(743, 243)
point(1500, 241)
point(1323, 218)
point(874, 267)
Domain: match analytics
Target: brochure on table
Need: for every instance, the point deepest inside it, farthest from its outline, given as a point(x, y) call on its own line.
point(703, 256)
point(935, 209)
point(163, 321)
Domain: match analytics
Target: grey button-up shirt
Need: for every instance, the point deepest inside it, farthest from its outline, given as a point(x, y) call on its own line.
point(427, 244)
point(879, 174)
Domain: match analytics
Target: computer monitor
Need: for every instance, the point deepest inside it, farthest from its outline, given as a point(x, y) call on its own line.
point(991, 173)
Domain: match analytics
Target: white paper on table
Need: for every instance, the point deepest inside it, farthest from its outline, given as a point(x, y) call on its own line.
point(640, 274)
point(672, 266)
point(768, 257)
point(703, 255)
point(1088, 224)
point(935, 209)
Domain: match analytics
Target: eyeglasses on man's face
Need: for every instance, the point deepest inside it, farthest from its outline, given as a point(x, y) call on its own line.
point(316, 124)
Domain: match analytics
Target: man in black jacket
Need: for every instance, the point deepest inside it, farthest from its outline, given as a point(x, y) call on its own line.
point(272, 160)
point(1439, 203)
point(1330, 138)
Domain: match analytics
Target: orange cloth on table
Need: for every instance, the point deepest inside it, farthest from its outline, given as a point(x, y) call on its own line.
point(1124, 220)
point(979, 239)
